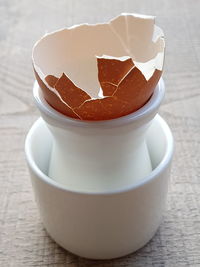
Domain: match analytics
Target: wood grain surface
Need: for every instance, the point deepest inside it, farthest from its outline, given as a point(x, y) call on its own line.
point(23, 240)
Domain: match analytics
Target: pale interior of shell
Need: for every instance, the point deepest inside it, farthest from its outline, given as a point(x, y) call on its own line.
point(74, 50)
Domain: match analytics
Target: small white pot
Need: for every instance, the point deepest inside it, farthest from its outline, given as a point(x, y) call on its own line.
point(101, 225)
point(103, 155)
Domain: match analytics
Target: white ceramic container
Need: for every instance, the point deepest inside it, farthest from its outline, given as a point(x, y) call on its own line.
point(101, 225)
point(103, 155)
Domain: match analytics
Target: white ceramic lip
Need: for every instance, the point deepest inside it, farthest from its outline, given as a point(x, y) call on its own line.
point(139, 116)
point(165, 162)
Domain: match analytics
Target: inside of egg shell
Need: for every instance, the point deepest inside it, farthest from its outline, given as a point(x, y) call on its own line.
point(101, 71)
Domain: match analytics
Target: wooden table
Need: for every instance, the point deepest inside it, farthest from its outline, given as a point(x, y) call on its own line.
point(23, 240)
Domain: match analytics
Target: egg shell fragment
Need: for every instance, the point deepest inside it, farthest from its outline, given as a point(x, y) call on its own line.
point(102, 71)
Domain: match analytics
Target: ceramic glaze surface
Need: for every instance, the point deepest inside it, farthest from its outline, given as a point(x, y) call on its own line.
point(98, 161)
point(101, 225)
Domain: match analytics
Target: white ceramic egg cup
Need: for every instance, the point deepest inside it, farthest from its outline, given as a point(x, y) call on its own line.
point(111, 222)
point(99, 156)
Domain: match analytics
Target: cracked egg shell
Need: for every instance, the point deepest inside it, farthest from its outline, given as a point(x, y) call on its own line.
point(101, 71)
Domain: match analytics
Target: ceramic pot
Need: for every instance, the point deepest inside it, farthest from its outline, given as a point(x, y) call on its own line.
point(101, 225)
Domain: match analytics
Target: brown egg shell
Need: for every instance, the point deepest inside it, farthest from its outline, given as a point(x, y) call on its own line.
point(54, 101)
point(127, 73)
